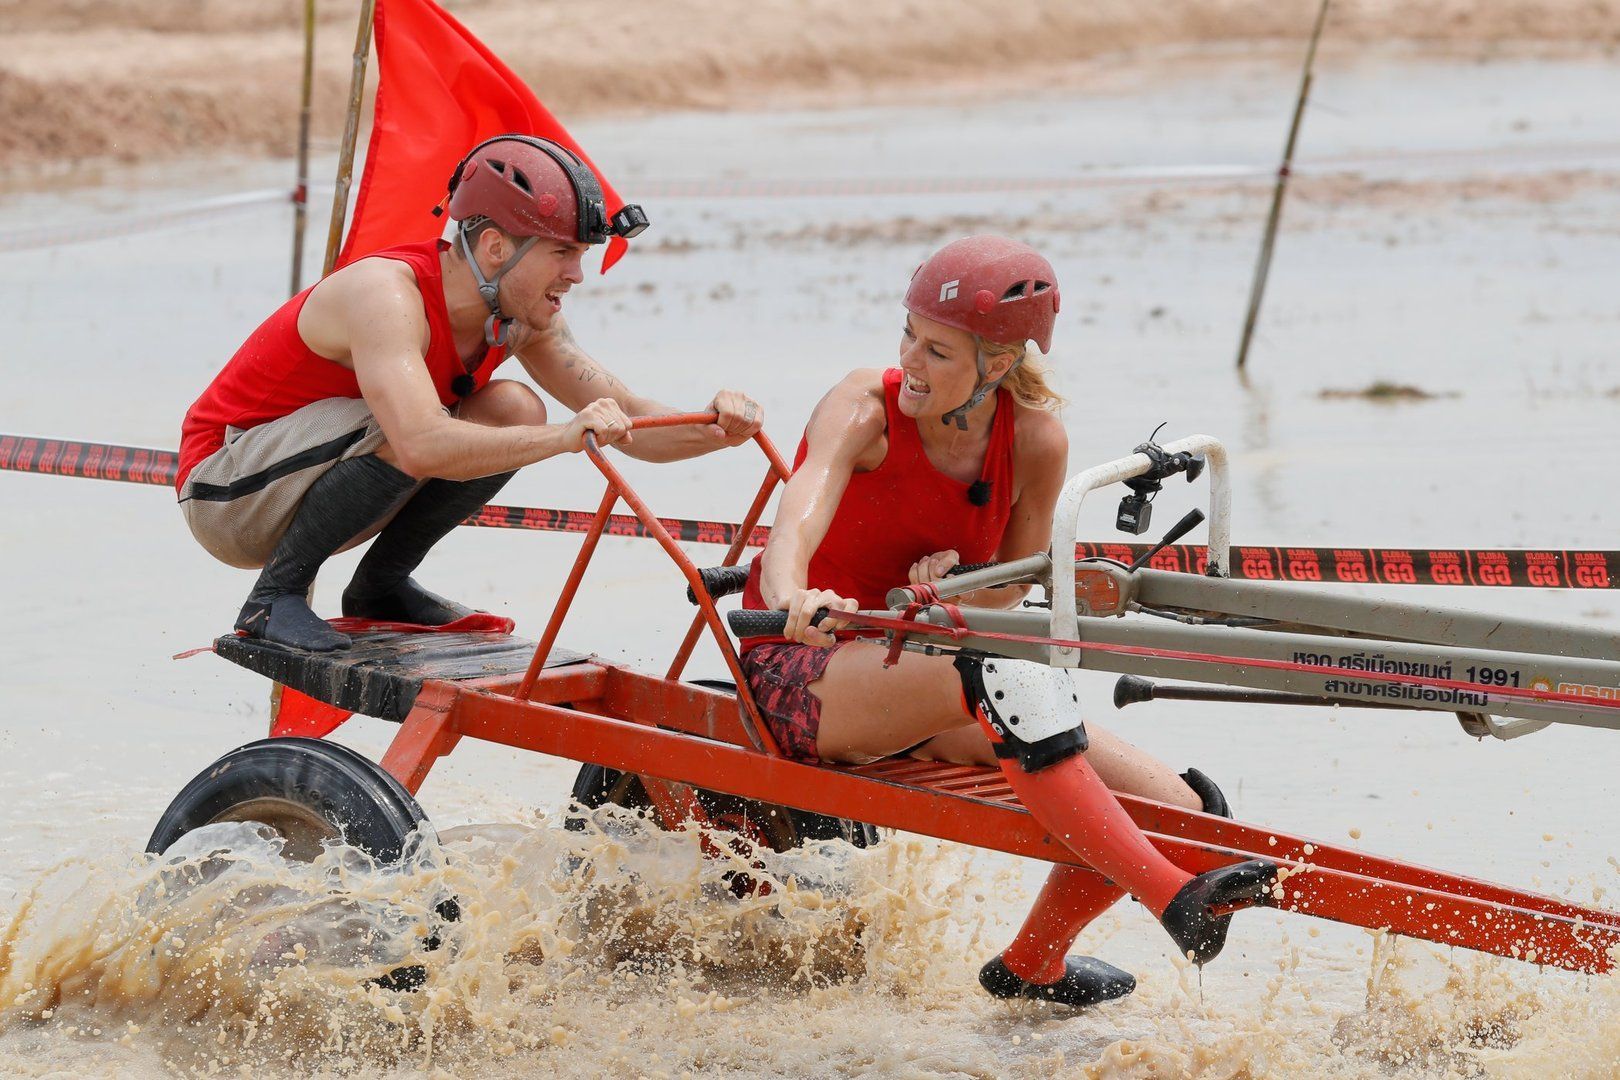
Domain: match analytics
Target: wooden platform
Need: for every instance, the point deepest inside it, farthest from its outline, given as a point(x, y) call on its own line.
point(381, 674)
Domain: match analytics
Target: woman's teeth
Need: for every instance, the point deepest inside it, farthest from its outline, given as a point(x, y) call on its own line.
point(915, 385)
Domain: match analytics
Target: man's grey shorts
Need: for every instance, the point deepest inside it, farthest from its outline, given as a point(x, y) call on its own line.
point(241, 498)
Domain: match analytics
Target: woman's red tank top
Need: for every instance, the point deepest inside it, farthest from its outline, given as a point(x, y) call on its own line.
point(905, 509)
point(274, 374)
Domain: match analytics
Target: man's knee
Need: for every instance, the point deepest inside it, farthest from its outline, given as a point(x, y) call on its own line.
point(503, 403)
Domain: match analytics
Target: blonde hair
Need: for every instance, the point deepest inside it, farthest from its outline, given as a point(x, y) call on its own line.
point(1026, 382)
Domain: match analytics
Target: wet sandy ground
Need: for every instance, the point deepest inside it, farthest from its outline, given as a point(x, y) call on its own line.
point(89, 81)
point(1484, 273)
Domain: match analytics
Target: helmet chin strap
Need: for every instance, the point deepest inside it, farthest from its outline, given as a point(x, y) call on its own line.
point(981, 390)
point(495, 327)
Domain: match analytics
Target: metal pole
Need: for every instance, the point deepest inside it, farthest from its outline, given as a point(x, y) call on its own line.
point(351, 134)
point(1131, 689)
point(1262, 268)
point(340, 196)
point(301, 192)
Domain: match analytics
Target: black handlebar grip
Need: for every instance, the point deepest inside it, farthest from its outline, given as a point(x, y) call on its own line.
point(1131, 689)
point(720, 581)
point(968, 568)
point(751, 622)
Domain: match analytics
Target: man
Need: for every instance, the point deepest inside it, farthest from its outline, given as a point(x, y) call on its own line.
point(364, 405)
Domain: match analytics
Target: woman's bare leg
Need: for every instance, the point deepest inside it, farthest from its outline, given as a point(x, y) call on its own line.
point(1123, 767)
point(962, 746)
point(869, 711)
point(1126, 768)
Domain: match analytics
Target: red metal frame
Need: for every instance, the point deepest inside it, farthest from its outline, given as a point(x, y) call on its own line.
point(673, 735)
point(618, 488)
point(674, 802)
point(606, 714)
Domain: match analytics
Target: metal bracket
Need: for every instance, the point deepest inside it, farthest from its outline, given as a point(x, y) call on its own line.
point(1480, 725)
point(1065, 527)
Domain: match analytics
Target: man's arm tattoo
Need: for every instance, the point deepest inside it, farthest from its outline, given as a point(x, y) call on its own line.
point(574, 358)
point(568, 346)
point(591, 372)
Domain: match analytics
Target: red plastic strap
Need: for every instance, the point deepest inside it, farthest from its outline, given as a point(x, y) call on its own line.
point(926, 596)
point(898, 642)
point(925, 593)
point(479, 622)
point(300, 714)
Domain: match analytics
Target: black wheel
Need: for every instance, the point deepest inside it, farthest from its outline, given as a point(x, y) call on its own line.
point(307, 791)
point(781, 828)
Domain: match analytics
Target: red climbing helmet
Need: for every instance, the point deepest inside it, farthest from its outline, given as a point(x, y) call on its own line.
point(999, 289)
point(534, 187)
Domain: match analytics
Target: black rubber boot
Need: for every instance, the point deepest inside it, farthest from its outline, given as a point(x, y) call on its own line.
point(1086, 981)
point(1214, 799)
point(1198, 932)
point(382, 587)
point(348, 499)
point(406, 602)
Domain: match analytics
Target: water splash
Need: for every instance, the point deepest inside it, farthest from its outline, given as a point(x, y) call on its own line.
point(619, 949)
point(243, 958)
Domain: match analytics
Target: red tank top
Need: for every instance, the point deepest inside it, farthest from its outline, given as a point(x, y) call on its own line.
point(905, 509)
point(274, 374)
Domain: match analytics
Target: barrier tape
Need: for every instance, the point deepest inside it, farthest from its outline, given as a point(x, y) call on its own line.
point(1589, 155)
point(1535, 568)
point(36, 237)
point(836, 187)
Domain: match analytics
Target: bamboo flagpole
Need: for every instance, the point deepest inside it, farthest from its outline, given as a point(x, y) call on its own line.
point(301, 192)
point(1262, 268)
point(351, 134)
point(340, 195)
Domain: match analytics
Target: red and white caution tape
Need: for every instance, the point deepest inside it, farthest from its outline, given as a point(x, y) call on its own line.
point(1574, 155)
point(37, 237)
point(1537, 568)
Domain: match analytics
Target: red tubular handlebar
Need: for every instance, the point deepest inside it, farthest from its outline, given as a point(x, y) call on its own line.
point(617, 488)
point(638, 423)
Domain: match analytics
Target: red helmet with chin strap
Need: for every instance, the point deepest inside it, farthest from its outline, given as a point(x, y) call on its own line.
point(529, 187)
point(996, 288)
point(535, 189)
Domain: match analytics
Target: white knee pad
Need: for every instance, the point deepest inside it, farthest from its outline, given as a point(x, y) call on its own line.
point(1032, 708)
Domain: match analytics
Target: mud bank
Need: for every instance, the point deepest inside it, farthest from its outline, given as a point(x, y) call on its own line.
point(93, 79)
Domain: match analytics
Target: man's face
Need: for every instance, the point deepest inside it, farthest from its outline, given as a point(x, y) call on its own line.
point(532, 291)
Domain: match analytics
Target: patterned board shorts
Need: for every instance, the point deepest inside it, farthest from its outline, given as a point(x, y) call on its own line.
point(779, 675)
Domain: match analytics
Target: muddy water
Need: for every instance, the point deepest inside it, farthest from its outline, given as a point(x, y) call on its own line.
point(1483, 275)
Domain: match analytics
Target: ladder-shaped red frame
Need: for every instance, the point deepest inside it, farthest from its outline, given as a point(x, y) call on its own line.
point(674, 734)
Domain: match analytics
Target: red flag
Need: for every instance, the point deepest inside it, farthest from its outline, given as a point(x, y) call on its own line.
point(439, 93)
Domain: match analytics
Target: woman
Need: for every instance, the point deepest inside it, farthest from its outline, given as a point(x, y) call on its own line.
point(956, 456)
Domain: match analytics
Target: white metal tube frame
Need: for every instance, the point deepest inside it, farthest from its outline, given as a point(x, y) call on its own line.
point(1065, 527)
